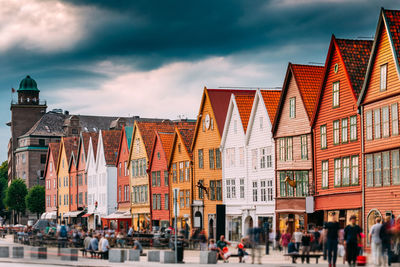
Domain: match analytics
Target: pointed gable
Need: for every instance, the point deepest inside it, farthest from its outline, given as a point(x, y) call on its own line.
point(392, 18)
point(71, 146)
point(54, 151)
point(148, 131)
point(86, 139)
point(271, 100)
point(355, 55)
point(111, 140)
point(308, 79)
point(166, 142)
point(244, 104)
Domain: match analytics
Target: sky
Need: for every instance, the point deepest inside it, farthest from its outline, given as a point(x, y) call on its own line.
point(153, 58)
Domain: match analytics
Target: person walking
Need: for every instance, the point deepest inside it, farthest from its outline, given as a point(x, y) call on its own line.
point(351, 239)
point(305, 246)
point(331, 232)
point(266, 234)
point(297, 235)
point(255, 235)
point(376, 242)
point(285, 240)
point(386, 238)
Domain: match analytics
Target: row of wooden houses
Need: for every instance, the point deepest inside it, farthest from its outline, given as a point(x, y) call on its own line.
point(328, 141)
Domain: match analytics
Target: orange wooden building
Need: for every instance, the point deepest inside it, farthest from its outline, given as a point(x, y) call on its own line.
point(379, 102)
point(336, 130)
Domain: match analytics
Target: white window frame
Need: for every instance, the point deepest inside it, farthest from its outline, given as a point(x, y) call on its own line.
point(336, 94)
point(383, 77)
point(395, 119)
point(292, 107)
point(385, 121)
point(325, 174)
point(377, 123)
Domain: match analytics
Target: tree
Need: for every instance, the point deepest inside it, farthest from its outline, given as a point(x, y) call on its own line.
point(35, 200)
point(3, 188)
point(15, 196)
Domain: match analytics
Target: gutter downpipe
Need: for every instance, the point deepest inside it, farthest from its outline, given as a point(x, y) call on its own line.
point(361, 112)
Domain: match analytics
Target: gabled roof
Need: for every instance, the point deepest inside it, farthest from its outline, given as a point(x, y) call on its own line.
point(390, 19)
point(128, 134)
point(271, 100)
point(54, 149)
point(186, 135)
point(148, 131)
point(308, 80)
point(70, 145)
point(95, 142)
point(85, 139)
point(166, 142)
point(111, 140)
point(354, 55)
point(244, 104)
point(219, 99)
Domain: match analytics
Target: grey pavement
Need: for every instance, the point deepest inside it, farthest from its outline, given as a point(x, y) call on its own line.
point(191, 258)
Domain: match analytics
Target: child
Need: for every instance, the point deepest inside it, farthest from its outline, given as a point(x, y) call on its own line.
point(242, 254)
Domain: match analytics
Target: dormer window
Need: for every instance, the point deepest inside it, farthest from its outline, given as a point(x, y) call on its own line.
point(383, 77)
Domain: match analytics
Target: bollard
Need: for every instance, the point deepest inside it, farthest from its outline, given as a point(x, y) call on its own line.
point(134, 255)
point(153, 256)
point(208, 257)
point(167, 256)
point(69, 254)
point(38, 252)
point(18, 252)
point(116, 255)
point(4, 252)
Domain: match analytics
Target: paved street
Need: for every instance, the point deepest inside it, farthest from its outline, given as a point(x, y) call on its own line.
point(191, 258)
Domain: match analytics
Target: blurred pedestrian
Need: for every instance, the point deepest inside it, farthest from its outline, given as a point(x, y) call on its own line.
point(376, 242)
point(386, 238)
point(285, 240)
point(331, 231)
point(297, 235)
point(255, 236)
point(305, 246)
point(351, 240)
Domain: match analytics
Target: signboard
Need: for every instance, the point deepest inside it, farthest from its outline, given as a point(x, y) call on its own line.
point(197, 222)
point(310, 204)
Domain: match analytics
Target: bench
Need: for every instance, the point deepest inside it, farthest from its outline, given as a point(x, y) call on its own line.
point(307, 257)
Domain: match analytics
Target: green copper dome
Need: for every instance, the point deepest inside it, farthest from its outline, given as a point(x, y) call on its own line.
point(28, 84)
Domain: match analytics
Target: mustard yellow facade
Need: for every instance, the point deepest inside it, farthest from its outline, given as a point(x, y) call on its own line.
point(63, 182)
point(181, 177)
point(207, 169)
point(139, 182)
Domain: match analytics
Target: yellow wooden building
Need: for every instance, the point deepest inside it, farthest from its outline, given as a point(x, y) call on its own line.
point(207, 182)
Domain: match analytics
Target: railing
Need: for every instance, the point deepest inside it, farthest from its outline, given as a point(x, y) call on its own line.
point(40, 102)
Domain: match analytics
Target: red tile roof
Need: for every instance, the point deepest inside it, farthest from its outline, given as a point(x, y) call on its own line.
point(95, 142)
point(355, 54)
point(308, 79)
point(70, 146)
point(187, 137)
point(271, 100)
point(86, 138)
point(393, 22)
point(148, 132)
point(244, 104)
point(166, 142)
point(54, 149)
point(219, 99)
point(111, 140)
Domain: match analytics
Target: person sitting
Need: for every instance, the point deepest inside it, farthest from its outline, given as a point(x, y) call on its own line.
point(137, 245)
point(86, 244)
point(292, 247)
point(105, 246)
point(242, 253)
point(94, 246)
point(120, 239)
point(223, 250)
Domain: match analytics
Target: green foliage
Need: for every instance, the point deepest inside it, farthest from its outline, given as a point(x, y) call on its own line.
point(15, 196)
point(4, 170)
point(35, 200)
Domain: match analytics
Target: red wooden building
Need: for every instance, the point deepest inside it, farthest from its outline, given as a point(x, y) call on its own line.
point(123, 191)
point(379, 102)
point(51, 181)
point(336, 130)
point(158, 169)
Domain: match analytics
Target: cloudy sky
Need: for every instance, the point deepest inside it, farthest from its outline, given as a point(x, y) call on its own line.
point(153, 58)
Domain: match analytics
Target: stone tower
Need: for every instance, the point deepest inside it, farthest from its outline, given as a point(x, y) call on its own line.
point(25, 112)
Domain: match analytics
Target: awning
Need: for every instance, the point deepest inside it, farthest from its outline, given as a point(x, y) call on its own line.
point(73, 214)
point(118, 215)
point(52, 215)
point(87, 215)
